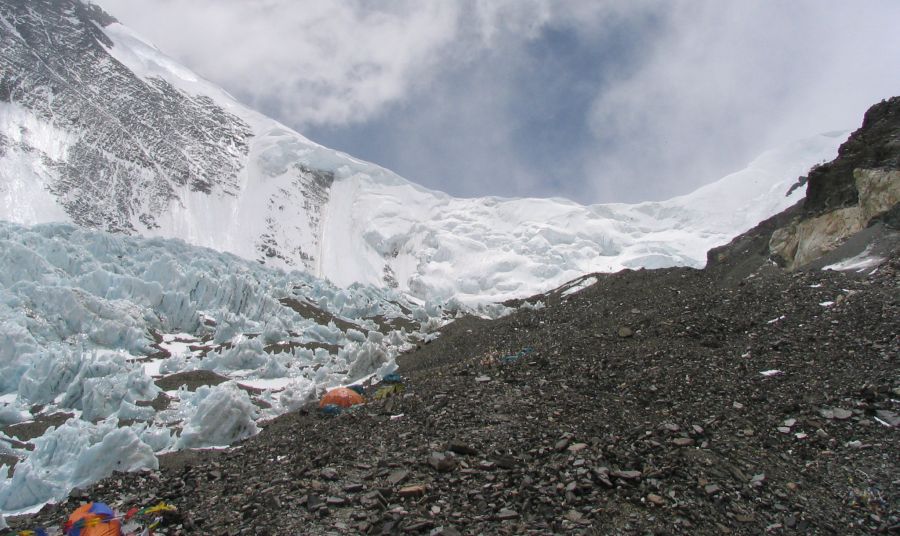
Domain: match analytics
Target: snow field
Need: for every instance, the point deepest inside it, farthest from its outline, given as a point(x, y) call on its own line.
point(377, 227)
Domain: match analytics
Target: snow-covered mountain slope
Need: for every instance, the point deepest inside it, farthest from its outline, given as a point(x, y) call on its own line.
point(93, 326)
point(100, 128)
point(490, 248)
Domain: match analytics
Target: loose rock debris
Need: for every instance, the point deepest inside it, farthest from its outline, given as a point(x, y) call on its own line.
point(672, 430)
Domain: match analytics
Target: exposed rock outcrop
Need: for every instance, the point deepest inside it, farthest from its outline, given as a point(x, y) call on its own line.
point(805, 240)
point(875, 145)
point(859, 188)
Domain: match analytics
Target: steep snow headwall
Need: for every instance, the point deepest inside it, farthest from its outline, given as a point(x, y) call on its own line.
point(134, 145)
point(99, 128)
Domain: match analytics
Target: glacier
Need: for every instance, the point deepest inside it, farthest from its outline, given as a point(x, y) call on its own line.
point(493, 249)
point(89, 320)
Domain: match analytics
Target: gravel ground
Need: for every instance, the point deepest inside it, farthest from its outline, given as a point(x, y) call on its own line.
point(635, 406)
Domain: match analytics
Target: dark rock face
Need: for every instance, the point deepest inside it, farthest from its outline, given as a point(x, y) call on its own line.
point(136, 141)
point(875, 145)
point(872, 149)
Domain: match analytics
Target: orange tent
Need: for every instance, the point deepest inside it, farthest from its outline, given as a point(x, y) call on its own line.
point(93, 519)
point(343, 397)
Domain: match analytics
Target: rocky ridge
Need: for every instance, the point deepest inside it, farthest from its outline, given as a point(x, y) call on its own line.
point(876, 145)
point(858, 189)
point(136, 142)
point(852, 206)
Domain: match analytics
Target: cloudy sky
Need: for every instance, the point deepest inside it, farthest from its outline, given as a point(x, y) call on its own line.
point(592, 100)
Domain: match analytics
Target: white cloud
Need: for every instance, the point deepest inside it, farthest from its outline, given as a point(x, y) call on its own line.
point(728, 80)
point(337, 62)
point(311, 62)
point(714, 83)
